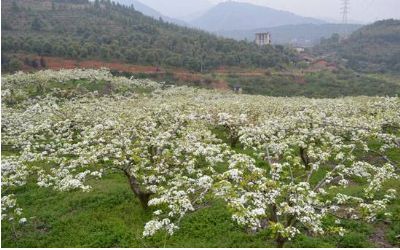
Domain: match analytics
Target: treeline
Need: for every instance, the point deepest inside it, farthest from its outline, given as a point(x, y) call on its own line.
point(322, 84)
point(108, 31)
point(12, 63)
point(373, 48)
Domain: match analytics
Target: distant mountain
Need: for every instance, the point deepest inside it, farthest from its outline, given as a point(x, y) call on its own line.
point(188, 18)
point(180, 9)
point(244, 16)
point(148, 11)
point(305, 35)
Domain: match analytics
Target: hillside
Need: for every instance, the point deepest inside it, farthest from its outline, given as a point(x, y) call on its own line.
point(103, 30)
point(374, 47)
point(305, 35)
point(243, 16)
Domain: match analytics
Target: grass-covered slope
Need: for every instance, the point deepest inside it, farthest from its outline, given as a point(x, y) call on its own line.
point(322, 84)
point(108, 31)
point(110, 216)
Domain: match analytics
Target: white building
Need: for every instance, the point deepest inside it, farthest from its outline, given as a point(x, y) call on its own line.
point(300, 49)
point(263, 39)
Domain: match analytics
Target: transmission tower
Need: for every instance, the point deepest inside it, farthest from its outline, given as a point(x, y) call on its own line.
point(345, 15)
point(345, 11)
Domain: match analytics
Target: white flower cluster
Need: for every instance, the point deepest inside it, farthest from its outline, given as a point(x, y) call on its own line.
point(13, 174)
point(66, 75)
point(20, 84)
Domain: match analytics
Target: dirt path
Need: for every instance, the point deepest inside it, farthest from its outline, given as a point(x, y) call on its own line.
point(378, 237)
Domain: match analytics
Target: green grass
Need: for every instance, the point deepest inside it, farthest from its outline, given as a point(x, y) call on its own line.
point(322, 84)
point(110, 216)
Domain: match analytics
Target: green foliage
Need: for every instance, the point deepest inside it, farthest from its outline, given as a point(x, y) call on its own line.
point(322, 84)
point(373, 48)
point(15, 7)
point(319, 84)
point(109, 31)
point(37, 24)
point(10, 64)
point(393, 233)
point(110, 216)
point(309, 242)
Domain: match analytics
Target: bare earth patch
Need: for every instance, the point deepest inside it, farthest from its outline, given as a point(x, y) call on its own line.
point(378, 238)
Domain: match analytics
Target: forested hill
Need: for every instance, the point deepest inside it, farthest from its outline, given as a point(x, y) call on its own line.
point(104, 30)
point(374, 47)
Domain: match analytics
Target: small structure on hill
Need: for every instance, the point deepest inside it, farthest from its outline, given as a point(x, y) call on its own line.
point(263, 38)
point(303, 57)
point(238, 90)
point(299, 49)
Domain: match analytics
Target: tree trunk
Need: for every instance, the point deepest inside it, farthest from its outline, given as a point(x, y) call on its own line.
point(280, 241)
point(144, 197)
point(305, 158)
point(234, 141)
point(274, 216)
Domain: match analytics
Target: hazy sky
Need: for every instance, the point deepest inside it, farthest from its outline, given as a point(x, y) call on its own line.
point(360, 10)
point(363, 10)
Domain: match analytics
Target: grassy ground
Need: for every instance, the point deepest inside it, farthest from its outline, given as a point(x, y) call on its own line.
point(318, 84)
point(110, 216)
point(323, 84)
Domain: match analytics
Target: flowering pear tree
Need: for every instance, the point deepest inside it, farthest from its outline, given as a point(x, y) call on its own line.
point(312, 156)
point(166, 154)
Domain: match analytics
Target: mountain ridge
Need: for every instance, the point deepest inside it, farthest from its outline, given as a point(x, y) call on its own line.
point(179, 8)
point(149, 11)
point(234, 15)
